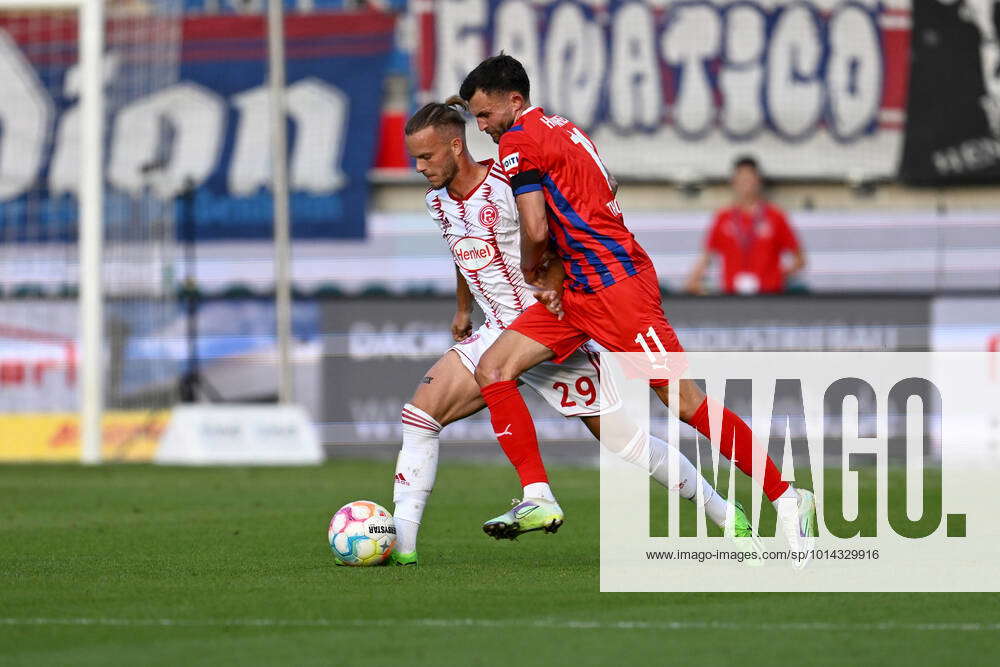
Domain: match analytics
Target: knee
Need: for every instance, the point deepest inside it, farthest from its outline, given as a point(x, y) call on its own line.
point(489, 371)
point(424, 417)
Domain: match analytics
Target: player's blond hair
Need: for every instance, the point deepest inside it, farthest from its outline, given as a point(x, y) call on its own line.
point(439, 115)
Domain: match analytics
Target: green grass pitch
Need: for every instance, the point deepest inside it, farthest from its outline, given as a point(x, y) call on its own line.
point(167, 566)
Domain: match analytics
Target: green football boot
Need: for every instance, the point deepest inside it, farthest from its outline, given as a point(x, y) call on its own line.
point(403, 559)
point(744, 537)
point(741, 524)
point(525, 516)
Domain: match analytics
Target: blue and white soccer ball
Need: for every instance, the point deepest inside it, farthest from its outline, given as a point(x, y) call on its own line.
point(361, 533)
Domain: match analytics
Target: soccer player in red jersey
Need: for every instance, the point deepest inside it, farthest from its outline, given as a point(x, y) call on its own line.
point(566, 198)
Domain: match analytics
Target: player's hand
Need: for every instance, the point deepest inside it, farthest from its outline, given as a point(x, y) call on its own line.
point(533, 274)
point(552, 300)
point(548, 275)
point(548, 280)
point(461, 325)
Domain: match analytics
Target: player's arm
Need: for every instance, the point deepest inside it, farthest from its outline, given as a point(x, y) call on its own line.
point(518, 156)
point(541, 268)
point(534, 235)
point(461, 324)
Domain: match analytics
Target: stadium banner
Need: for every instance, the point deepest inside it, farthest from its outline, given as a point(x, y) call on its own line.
point(376, 350)
point(675, 90)
point(239, 434)
point(206, 129)
point(128, 436)
point(957, 59)
point(920, 522)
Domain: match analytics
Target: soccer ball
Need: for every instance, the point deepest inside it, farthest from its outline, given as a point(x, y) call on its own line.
point(361, 533)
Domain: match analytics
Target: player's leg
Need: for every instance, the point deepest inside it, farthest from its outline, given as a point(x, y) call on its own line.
point(796, 507)
point(643, 328)
point(535, 336)
point(633, 444)
point(573, 389)
point(496, 374)
point(736, 442)
point(447, 393)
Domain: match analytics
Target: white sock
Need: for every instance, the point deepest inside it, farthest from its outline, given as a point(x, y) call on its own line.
point(416, 468)
point(687, 481)
point(539, 490)
point(688, 478)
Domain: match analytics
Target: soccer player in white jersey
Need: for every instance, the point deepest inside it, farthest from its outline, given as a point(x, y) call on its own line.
point(474, 208)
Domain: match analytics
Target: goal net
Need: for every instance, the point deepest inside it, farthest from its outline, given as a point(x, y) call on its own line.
point(47, 378)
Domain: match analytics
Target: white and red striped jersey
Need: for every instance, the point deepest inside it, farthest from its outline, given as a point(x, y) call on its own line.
point(483, 233)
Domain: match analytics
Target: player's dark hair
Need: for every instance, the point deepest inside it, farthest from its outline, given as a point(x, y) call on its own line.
point(436, 115)
point(499, 74)
point(746, 161)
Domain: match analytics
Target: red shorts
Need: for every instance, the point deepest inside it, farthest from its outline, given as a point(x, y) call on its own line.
point(619, 317)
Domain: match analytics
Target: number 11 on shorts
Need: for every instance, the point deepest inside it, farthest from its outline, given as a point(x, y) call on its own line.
point(640, 338)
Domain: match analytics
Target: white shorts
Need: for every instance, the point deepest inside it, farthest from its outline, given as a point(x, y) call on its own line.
point(572, 388)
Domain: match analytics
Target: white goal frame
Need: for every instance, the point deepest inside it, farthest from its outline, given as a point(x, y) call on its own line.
point(90, 15)
point(91, 37)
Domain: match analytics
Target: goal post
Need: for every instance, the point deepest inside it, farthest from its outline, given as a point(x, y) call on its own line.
point(91, 228)
point(101, 124)
point(90, 18)
point(87, 229)
point(279, 191)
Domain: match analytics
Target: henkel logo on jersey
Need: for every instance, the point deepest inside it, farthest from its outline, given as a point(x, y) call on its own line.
point(473, 253)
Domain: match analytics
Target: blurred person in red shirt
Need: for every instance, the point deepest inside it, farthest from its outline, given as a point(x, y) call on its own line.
point(752, 237)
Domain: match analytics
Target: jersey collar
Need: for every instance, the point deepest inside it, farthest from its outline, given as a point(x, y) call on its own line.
point(489, 168)
point(525, 112)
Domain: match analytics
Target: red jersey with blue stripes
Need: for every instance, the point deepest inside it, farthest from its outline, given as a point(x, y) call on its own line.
point(551, 154)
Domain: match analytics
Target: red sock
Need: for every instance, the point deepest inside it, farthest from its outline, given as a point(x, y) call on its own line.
point(737, 436)
point(514, 428)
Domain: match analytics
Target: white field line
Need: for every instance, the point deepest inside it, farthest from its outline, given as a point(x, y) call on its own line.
point(542, 623)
